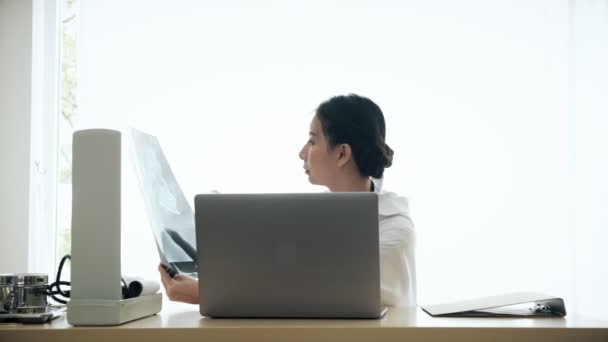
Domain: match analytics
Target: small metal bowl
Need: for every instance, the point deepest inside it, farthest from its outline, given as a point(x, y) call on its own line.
point(23, 293)
point(30, 293)
point(7, 283)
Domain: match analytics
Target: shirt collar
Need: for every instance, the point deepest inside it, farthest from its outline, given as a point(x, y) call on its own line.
point(377, 184)
point(389, 203)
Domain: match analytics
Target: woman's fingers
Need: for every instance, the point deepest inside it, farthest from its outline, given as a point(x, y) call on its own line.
point(164, 276)
point(181, 288)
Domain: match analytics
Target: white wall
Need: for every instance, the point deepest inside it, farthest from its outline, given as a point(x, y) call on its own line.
point(476, 110)
point(589, 83)
point(15, 105)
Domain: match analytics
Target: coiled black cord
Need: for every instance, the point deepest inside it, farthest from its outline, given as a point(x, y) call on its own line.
point(54, 289)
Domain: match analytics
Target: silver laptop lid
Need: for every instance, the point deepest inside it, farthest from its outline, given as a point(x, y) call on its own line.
point(288, 255)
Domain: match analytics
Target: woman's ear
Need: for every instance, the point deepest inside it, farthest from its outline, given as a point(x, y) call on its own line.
point(344, 154)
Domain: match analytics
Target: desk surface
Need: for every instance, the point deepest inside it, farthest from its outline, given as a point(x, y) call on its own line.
point(181, 322)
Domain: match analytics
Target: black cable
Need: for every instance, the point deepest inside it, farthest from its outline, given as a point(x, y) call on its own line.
point(51, 291)
point(54, 289)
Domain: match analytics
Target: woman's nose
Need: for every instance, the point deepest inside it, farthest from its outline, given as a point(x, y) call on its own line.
point(302, 154)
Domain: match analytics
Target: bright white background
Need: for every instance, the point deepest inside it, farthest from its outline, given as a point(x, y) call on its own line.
point(488, 108)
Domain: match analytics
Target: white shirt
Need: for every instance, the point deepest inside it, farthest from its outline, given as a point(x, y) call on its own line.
point(397, 249)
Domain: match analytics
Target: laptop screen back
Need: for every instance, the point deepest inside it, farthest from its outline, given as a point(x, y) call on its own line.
point(288, 255)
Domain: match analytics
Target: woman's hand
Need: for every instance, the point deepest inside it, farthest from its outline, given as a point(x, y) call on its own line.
point(180, 288)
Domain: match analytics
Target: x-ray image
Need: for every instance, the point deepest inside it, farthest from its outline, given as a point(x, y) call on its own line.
point(170, 215)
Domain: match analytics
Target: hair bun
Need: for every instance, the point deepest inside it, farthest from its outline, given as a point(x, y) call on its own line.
point(387, 156)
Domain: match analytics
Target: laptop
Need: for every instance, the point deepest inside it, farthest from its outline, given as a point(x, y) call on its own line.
point(170, 215)
point(288, 255)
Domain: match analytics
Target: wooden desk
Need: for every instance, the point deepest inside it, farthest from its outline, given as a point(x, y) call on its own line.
point(182, 323)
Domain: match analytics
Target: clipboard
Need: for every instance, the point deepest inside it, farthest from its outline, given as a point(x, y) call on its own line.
point(515, 304)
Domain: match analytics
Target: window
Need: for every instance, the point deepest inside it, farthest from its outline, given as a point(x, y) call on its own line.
point(477, 97)
point(67, 123)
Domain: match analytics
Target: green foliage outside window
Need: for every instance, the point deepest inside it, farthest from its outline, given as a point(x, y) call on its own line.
point(67, 123)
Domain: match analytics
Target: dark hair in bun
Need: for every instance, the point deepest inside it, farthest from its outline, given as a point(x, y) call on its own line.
point(357, 121)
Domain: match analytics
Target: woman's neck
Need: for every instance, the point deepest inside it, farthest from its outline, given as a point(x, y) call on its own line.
point(351, 184)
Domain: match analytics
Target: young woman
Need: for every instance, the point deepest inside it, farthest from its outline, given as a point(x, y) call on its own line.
point(346, 151)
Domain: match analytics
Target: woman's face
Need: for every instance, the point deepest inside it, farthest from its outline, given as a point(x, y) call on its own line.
point(319, 161)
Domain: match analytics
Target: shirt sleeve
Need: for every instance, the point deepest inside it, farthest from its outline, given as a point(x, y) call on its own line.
point(396, 270)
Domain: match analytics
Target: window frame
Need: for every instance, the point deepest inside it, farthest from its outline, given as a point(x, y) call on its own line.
point(44, 121)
